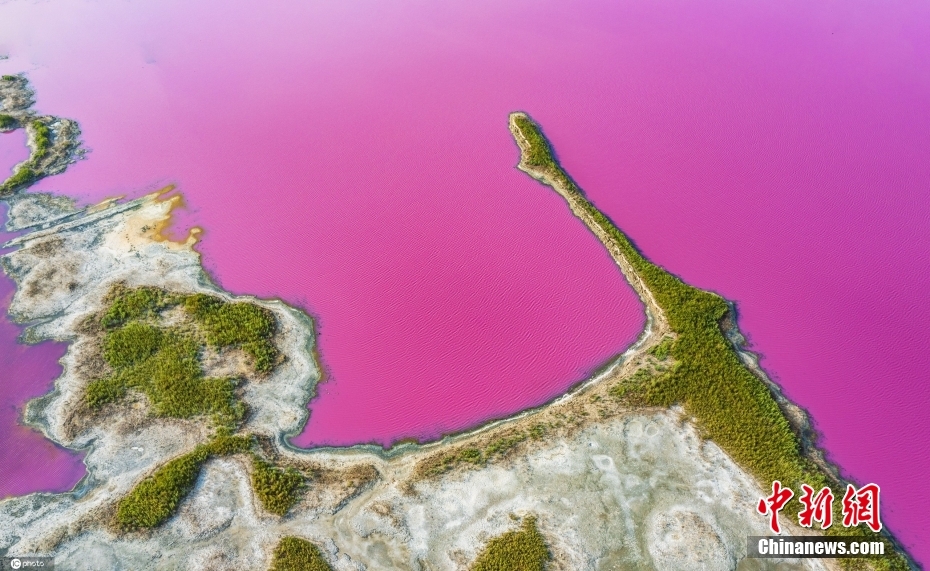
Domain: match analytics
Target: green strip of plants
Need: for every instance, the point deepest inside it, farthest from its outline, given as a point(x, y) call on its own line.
point(156, 498)
point(732, 406)
point(29, 172)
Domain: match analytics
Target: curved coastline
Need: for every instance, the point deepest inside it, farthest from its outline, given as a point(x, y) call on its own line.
point(402, 464)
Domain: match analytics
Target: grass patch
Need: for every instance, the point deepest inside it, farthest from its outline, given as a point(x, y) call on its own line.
point(9, 78)
point(732, 406)
point(663, 350)
point(29, 172)
point(163, 364)
point(156, 498)
point(42, 137)
point(504, 444)
point(296, 554)
point(23, 176)
point(134, 304)
point(244, 325)
point(524, 549)
point(278, 489)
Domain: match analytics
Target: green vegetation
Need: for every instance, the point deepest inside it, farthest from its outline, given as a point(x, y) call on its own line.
point(7, 122)
point(627, 390)
point(505, 444)
point(29, 172)
point(520, 550)
point(156, 498)
point(236, 325)
point(23, 176)
point(278, 489)
point(500, 446)
point(164, 362)
point(42, 137)
point(732, 406)
point(9, 78)
point(296, 554)
point(663, 349)
point(131, 304)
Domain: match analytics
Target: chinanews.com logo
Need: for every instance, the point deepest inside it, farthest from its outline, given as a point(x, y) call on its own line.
point(858, 506)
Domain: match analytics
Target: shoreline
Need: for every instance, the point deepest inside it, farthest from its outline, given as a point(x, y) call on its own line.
point(401, 471)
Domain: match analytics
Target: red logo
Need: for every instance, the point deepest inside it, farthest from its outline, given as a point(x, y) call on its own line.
point(816, 508)
point(861, 506)
point(774, 503)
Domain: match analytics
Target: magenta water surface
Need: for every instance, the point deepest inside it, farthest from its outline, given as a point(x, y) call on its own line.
point(30, 462)
point(353, 158)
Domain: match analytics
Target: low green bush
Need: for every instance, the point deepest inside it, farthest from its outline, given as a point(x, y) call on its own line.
point(23, 176)
point(139, 303)
point(278, 489)
point(663, 350)
point(102, 391)
point(165, 366)
point(42, 135)
point(131, 344)
point(7, 122)
point(524, 549)
point(239, 324)
point(505, 443)
point(156, 498)
point(296, 554)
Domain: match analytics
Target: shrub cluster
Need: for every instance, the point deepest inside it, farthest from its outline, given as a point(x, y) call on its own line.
point(157, 497)
point(164, 365)
point(236, 325)
point(127, 304)
point(731, 405)
point(164, 362)
point(524, 549)
point(278, 489)
point(296, 554)
point(28, 172)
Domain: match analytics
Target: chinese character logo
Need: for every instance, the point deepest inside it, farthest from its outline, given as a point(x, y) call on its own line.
point(774, 503)
point(816, 508)
point(861, 506)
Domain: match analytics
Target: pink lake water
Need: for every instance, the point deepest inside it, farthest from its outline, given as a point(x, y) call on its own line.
point(354, 159)
point(30, 462)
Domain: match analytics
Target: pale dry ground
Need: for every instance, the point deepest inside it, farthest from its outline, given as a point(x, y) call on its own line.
point(612, 488)
point(16, 99)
